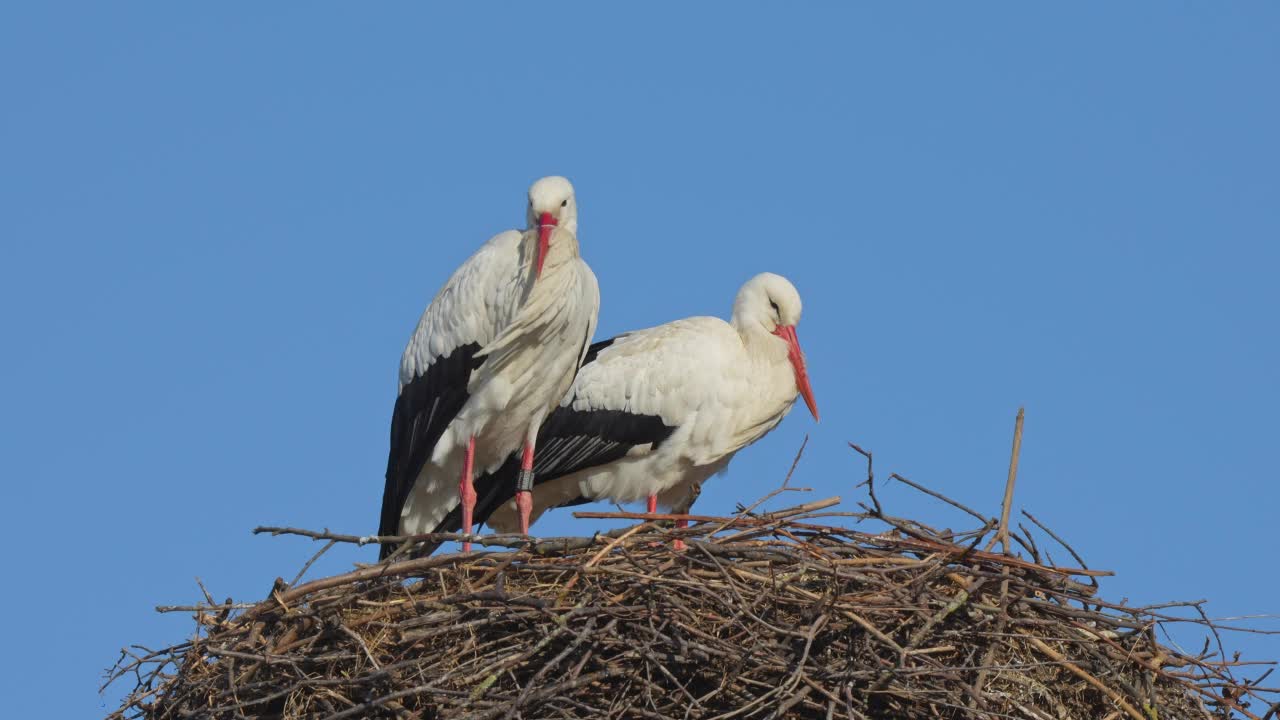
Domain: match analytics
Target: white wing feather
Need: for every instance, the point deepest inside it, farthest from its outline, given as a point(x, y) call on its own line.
point(692, 373)
point(479, 300)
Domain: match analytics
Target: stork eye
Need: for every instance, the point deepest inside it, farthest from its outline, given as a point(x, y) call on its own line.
point(776, 311)
point(564, 204)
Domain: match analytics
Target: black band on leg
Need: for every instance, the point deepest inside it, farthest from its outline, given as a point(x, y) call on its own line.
point(524, 481)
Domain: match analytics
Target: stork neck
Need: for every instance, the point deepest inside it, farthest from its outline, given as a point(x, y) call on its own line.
point(765, 349)
point(562, 249)
point(774, 377)
point(746, 321)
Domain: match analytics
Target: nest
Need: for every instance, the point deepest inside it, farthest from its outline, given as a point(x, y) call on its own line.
point(788, 614)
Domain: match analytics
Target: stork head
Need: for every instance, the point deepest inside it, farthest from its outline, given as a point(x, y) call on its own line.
point(770, 302)
point(551, 205)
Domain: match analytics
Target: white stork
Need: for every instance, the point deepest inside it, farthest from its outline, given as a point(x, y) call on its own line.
point(492, 355)
point(656, 412)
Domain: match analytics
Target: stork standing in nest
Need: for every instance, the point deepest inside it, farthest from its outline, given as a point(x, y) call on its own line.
point(492, 355)
point(654, 413)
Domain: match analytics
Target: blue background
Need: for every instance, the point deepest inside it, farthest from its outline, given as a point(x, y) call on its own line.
point(220, 225)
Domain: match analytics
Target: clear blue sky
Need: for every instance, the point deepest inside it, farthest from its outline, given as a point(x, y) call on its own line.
point(220, 224)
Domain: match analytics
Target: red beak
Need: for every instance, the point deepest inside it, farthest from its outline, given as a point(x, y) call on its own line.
point(546, 224)
point(788, 333)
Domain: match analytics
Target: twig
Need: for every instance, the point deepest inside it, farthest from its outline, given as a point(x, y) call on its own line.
point(1002, 533)
point(986, 521)
point(870, 482)
point(311, 562)
point(759, 519)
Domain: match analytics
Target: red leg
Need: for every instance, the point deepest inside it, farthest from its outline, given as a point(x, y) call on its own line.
point(651, 506)
point(524, 488)
point(467, 491)
point(679, 544)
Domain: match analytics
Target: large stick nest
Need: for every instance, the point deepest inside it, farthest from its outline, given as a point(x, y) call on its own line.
point(759, 616)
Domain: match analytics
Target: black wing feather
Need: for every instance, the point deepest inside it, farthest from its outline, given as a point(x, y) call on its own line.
point(594, 351)
point(424, 409)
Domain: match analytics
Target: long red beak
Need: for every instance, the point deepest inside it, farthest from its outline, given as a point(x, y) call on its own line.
point(546, 225)
point(788, 333)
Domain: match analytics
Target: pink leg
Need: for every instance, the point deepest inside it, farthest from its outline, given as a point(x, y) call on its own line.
point(524, 488)
point(467, 491)
point(679, 544)
point(652, 507)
